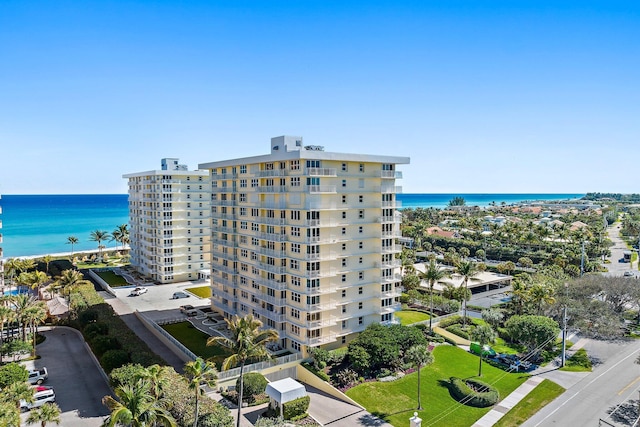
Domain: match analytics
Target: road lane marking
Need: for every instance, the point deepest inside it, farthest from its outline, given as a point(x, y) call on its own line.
point(629, 385)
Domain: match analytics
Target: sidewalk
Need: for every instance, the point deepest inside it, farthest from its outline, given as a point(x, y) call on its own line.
point(498, 411)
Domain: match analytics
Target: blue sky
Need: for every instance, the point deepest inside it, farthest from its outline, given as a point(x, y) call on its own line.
point(484, 96)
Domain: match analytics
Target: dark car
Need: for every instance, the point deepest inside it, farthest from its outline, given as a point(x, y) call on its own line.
point(178, 295)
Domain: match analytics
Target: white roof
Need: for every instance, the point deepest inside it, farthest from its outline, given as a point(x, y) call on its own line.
point(285, 390)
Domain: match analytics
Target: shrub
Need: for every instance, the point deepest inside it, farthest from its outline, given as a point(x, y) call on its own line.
point(254, 383)
point(87, 317)
point(580, 358)
point(12, 373)
point(453, 320)
point(103, 343)
point(473, 392)
point(112, 359)
point(320, 374)
point(93, 330)
point(456, 329)
point(295, 408)
point(346, 377)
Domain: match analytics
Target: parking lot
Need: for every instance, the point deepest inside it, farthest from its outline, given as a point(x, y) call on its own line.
point(76, 379)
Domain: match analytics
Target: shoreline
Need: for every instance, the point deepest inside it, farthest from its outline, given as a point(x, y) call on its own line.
point(68, 254)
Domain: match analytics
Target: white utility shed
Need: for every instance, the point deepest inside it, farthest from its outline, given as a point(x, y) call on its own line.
point(286, 390)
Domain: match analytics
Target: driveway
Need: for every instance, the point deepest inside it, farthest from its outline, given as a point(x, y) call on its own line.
point(79, 384)
point(617, 268)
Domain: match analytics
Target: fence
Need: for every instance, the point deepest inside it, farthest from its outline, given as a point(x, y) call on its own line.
point(436, 320)
point(235, 372)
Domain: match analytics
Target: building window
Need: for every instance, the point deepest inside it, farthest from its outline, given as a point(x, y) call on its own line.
point(344, 246)
point(361, 167)
point(344, 278)
point(360, 244)
point(344, 324)
point(344, 167)
point(294, 264)
point(344, 231)
point(295, 181)
point(361, 213)
point(344, 262)
point(243, 183)
point(295, 231)
point(360, 290)
point(344, 309)
point(360, 305)
point(243, 168)
point(295, 297)
point(360, 229)
point(344, 183)
point(344, 198)
point(361, 275)
point(360, 320)
point(295, 165)
point(295, 329)
point(360, 198)
point(255, 182)
point(295, 215)
point(360, 260)
point(295, 248)
point(295, 281)
point(344, 293)
point(243, 211)
point(344, 215)
point(295, 313)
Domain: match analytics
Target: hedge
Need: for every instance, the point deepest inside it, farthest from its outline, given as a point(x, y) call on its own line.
point(464, 394)
point(253, 384)
point(320, 374)
point(453, 320)
point(295, 408)
point(457, 329)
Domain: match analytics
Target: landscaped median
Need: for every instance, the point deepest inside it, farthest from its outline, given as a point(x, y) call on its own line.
point(409, 317)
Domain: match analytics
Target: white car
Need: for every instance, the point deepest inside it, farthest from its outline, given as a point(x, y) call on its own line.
point(178, 295)
point(38, 376)
point(138, 291)
point(628, 274)
point(41, 396)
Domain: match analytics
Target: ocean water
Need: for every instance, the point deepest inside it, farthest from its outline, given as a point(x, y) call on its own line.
point(40, 224)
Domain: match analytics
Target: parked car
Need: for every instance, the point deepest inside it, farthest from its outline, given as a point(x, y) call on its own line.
point(189, 310)
point(178, 295)
point(38, 376)
point(41, 396)
point(138, 291)
point(628, 274)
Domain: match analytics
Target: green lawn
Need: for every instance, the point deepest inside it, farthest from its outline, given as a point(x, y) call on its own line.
point(539, 397)
point(201, 291)
point(396, 401)
point(196, 341)
point(112, 279)
point(579, 362)
point(407, 317)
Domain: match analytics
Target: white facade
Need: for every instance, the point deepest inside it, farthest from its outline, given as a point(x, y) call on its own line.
point(306, 241)
point(170, 222)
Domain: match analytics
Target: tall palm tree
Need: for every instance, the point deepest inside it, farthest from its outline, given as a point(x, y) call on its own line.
point(99, 236)
point(541, 293)
point(34, 316)
point(47, 413)
point(47, 260)
point(7, 315)
point(199, 373)
point(419, 356)
point(158, 379)
point(468, 270)
point(247, 342)
point(17, 392)
point(136, 407)
point(34, 279)
point(433, 274)
point(484, 335)
point(121, 234)
point(21, 304)
point(68, 280)
point(72, 240)
point(9, 414)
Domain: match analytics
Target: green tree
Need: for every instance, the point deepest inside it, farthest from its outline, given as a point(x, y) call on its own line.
point(200, 373)
point(247, 342)
point(484, 335)
point(457, 201)
point(121, 234)
point(9, 414)
point(540, 294)
point(99, 236)
point(68, 280)
point(419, 356)
point(136, 407)
point(433, 274)
point(16, 392)
point(468, 270)
point(12, 373)
point(47, 413)
point(33, 279)
point(534, 332)
point(493, 316)
point(72, 240)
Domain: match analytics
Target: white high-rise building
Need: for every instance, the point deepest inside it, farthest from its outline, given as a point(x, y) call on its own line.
point(306, 240)
point(170, 222)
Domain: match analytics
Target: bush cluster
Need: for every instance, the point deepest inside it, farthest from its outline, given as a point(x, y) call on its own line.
point(296, 408)
point(473, 392)
point(318, 373)
point(457, 329)
point(253, 385)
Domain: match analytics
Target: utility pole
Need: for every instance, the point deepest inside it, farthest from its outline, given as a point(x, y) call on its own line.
point(582, 261)
point(564, 326)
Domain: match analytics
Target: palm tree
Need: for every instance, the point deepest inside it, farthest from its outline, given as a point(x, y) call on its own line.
point(539, 294)
point(484, 335)
point(35, 315)
point(136, 407)
point(9, 414)
point(16, 392)
point(68, 280)
point(158, 379)
point(47, 413)
point(199, 373)
point(21, 304)
point(99, 236)
point(34, 279)
point(468, 270)
point(7, 315)
point(433, 274)
point(72, 240)
point(121, 234)
point(419, 356)
point(247, 342)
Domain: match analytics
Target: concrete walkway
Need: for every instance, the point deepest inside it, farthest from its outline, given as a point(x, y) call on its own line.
point(498, 411)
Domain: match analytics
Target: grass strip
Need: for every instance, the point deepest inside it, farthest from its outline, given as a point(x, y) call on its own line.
point(537, 399)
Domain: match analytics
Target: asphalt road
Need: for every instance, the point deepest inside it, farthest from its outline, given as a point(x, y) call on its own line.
point(617, 268)
point(615, 382)
point(78, 383)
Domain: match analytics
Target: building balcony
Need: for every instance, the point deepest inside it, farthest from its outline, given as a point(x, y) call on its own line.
point(273, 189)
point(391, 279)
point(273, 268)
point(391, 249)
point(391, 308)
point(270, 314)
point(320, 290)
point(389, 189)
point(394, 321)
point(276, 253)
point(321, 172)
point(321, 189)
point(274, 237)
point(225, 269)
point(224, 176)
point(390, 174)
point(224, 202)
point(392, 233)
point(392, 204)
point(224, 307)
point(219, 293)
point(224, 282)
point(389, 264)
point(317, 274)
point(391, 218)
point(269, 299)
point(272, 221)
point(394, 292)
point(272, 173)
point(273, 284)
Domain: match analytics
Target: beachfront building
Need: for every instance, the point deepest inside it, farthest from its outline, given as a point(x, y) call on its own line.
point(305, 240)
point(169, 222)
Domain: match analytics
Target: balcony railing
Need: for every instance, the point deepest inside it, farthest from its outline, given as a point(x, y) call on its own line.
point(319, 189)
point(321, 171)
point(391, 174)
